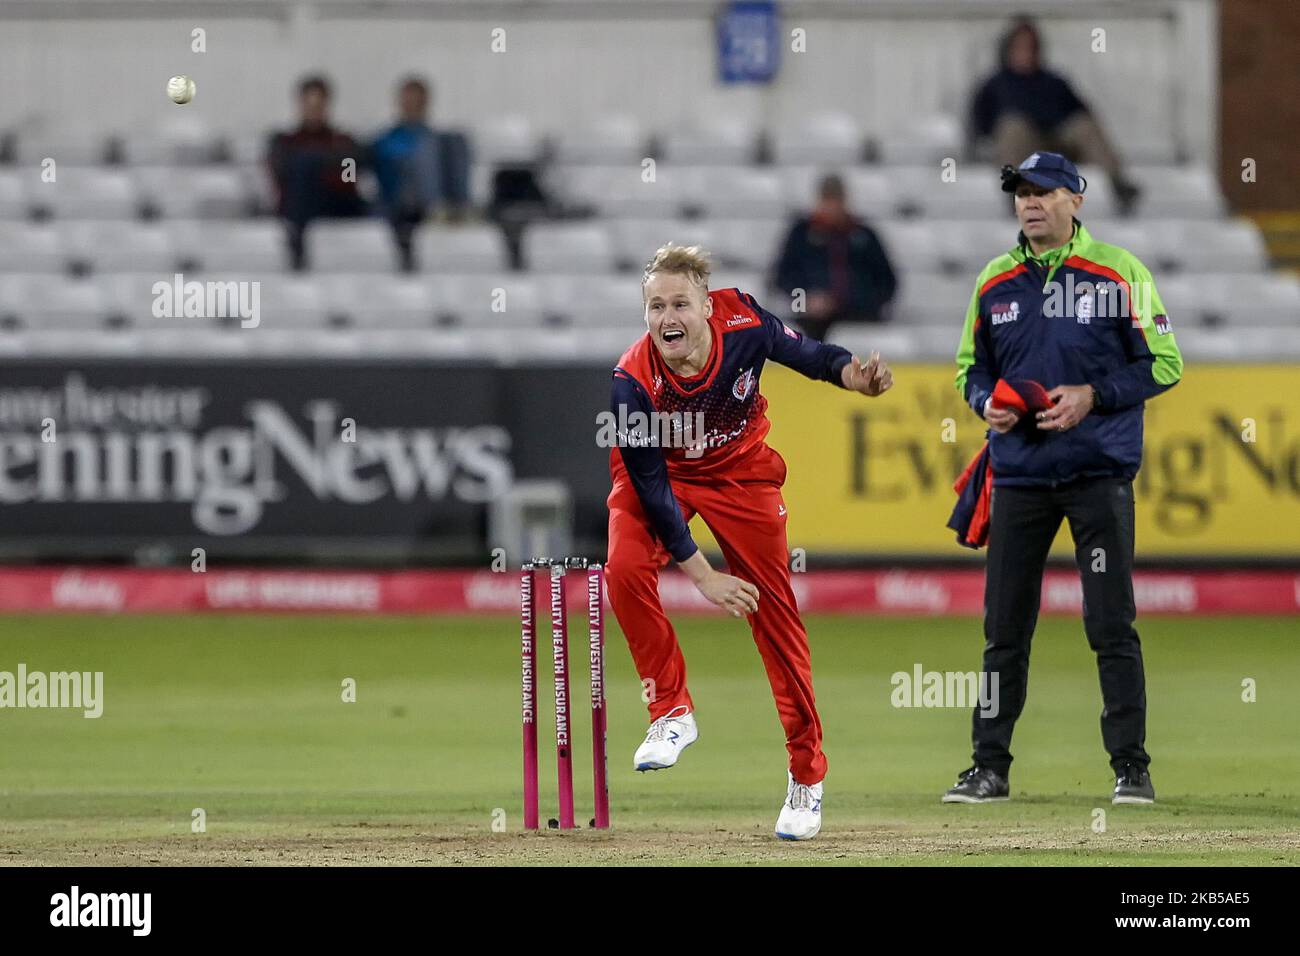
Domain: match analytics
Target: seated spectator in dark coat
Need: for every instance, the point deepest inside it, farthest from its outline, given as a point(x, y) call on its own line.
point(838, 263)
point(1025, 107)
point(307, 165)
point(422, 171)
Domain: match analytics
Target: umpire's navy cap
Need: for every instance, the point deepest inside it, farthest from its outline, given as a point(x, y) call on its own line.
point(1048, 170)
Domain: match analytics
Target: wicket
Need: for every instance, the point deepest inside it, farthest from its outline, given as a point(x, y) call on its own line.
point(563, 708)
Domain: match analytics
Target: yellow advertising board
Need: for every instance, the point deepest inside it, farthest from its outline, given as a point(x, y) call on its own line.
point(1220, 473)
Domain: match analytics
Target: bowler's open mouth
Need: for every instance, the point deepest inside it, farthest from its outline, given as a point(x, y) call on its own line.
point(673, 335)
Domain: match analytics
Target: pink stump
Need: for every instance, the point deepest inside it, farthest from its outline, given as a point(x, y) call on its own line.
point(596, 643)
point(528, 645)
point(560, 646)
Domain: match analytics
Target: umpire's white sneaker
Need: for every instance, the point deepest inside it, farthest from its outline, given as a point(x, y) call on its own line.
point(666, 739)
point(801, 815)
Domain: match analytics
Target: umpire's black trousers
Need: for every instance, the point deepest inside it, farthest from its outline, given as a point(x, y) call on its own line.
point(1023, 523)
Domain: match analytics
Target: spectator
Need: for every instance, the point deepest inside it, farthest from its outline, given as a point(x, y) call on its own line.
point(1025, 107)
point(838, 263)
point(421, 171)
point(308, 170)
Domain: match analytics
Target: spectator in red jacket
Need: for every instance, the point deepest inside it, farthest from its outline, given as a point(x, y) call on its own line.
point(1025, 107)
point(307, 164)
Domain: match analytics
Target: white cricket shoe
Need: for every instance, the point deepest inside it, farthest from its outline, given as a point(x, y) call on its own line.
point(801, 814)
point(666, 739)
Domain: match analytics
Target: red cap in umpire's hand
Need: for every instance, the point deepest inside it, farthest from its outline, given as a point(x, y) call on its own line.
point(1046, 170)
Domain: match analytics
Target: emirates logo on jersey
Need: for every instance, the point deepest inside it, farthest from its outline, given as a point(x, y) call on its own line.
point(744, 385)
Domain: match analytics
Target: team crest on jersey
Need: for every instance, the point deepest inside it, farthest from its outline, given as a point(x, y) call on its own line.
point(744, 386)
point(1162, 324)
point(1004, 312)
point(659, 384)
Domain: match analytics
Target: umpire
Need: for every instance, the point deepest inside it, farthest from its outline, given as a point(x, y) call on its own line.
point(1083, 319)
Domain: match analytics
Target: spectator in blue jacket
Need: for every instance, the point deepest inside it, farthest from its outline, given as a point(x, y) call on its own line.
point(838, 262)
point(422, 171)
point(1025, 107)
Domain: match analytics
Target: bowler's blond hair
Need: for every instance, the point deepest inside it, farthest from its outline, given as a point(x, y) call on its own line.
point(690, 261)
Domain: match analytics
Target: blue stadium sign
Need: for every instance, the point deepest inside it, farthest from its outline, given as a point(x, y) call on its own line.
point(748, 46)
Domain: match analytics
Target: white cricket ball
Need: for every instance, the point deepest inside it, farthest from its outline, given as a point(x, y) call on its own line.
point(180, 89)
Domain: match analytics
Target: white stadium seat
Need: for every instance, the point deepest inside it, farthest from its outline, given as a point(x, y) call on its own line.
point(930, 299)
point(1241, 301)
point(502, 301)
point(976, 193)
point(351, 245)
point(1175, 191)
point(246, 148)
point(481, 184)
point(828, 138)
point(241, 246)
point(66, 147)
point(131, 297)
point(259, 184)
point(924, 139)
point(563, 247)
point(598, 301)
point(748, 243)
point(48, 302)
point(31, 247)
point(506, 140)
point(1212, 245)
point(286, 302)
point(735, 191)
point(87, 192)
point(1139, 236)
point(726, 139)
point(622, 190)
point(13, 192)
point(183, 139)
point(609, 139)
point(970, 243)
point(195, 192)
point(126, 246)
point(635, 240)
point(464, 248)
point(913, 243)
point(382, 301)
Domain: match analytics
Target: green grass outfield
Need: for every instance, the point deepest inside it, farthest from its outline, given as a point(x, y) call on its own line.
point(243, 717)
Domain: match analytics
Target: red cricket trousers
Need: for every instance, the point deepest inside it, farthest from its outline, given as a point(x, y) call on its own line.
point(746, 514)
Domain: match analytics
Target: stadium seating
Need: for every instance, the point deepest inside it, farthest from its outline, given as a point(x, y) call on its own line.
point(86, 192)
point(81, 254)
point(467, 248)
point(827, 138)
point(31, 247)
